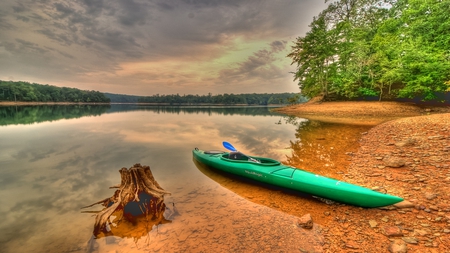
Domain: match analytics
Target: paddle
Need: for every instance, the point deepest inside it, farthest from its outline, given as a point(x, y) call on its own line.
point(230, 147)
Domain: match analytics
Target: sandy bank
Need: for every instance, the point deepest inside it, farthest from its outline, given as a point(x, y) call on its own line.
point(359, 112)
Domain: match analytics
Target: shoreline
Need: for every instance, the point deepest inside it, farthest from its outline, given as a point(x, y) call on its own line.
point(360, 112)
point(21, 103)
point(405, 153)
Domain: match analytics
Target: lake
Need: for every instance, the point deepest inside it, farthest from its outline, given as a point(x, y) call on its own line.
point(56, 159)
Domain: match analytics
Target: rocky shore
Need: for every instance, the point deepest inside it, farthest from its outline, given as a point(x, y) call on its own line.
point(407, 157)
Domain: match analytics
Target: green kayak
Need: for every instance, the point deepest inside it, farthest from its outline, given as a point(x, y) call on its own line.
point(273, 172)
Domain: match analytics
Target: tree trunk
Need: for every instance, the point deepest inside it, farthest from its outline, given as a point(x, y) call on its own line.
point(136, 184)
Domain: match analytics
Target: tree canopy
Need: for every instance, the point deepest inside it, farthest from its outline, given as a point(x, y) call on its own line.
point(226, 99)
point(385, 48)
point(32, 92)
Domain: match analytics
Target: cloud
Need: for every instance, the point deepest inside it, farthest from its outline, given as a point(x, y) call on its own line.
point(19, 7)
point(262, 66)
point(278, 46)
point(92, 43)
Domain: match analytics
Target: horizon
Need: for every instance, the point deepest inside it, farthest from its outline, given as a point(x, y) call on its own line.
point(156, 47)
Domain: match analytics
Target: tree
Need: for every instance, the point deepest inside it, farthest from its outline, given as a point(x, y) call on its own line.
point(314, 55)
point(384, 48)
point(425, 55)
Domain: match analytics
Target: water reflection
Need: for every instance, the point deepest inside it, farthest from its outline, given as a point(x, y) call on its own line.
point(323, 147)
point(221, 110)
point(137, 226)
point(15, 115)
point(49, 170)
point(319, 147)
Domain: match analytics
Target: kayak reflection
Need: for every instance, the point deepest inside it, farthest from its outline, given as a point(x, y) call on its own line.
point(258, 192)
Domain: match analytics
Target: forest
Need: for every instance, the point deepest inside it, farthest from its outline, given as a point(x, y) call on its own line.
point(32, 92)
point(227, 99)
point(376, 49)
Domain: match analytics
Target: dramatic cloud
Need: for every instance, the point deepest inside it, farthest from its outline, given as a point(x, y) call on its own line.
point(146, 47)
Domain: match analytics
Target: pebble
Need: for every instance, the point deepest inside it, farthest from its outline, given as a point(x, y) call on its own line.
point(420, 232)
point(392, 231)
point(394, 162)
point(404, 204)
point(306, 221)
point(410, 240)
point(416, 145)
point(398, 246)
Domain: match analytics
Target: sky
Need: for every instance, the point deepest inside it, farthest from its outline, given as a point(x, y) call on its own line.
point(148, 47)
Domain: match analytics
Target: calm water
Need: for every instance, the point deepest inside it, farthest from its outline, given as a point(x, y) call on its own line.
point(56, 159)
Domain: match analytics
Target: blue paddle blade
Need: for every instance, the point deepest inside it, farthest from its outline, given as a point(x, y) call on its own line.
point(228, 146)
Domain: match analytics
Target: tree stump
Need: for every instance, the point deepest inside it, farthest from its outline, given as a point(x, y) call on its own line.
point(138, 194)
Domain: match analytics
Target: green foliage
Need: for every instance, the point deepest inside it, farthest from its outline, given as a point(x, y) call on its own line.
point(120, 98)
point(226, 99)
point(394, 49)
point(27, 92)
point(365, 92)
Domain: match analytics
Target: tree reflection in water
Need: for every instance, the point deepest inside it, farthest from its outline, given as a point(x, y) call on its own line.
point(322, 147)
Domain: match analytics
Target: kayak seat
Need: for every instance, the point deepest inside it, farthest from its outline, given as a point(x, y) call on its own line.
point(237, 156)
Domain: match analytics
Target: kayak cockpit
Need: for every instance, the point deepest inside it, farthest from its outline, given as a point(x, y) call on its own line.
point(241, 158)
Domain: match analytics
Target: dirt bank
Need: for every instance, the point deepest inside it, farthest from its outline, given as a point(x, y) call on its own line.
point(408, 157)
point(360, 112)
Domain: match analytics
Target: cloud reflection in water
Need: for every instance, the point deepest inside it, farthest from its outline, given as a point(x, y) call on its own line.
point(54, 168)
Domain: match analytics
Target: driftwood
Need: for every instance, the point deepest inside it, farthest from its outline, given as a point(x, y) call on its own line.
point(138, 190)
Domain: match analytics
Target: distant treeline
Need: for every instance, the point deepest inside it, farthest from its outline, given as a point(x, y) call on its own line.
point(32, 92)
point(226, 99)
point(121, 98)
